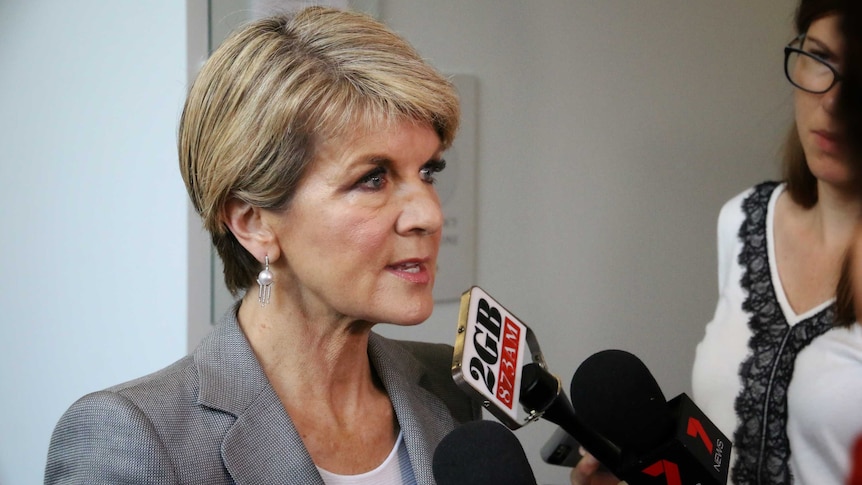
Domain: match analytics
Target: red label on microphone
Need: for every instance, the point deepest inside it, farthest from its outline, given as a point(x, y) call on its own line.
point(510, 362)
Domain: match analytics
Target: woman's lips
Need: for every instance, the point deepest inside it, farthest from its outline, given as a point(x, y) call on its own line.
point(412, 271)
point(828, 141)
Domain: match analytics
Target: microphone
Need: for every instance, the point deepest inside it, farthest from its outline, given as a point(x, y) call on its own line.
point(661, 442)
point(616, 393)
point(541, 392)
point(617, 411)
point(481, 453)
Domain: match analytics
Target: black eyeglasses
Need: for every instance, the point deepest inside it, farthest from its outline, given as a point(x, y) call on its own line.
point(808, 71)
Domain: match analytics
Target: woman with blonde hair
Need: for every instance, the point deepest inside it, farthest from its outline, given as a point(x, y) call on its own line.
point(309, 145)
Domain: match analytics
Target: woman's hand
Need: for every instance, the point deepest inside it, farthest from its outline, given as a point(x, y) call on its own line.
point(587, 472)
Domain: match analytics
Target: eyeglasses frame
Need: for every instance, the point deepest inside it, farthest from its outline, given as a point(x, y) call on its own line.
point(789, 49)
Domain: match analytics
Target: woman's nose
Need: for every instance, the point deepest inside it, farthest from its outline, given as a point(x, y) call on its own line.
point(830, 99)
point(421, 212)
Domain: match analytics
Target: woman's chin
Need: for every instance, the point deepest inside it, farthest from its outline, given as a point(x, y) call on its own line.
point(416, 315)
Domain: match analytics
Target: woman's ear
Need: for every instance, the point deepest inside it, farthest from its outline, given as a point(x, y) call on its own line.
point(247, 224)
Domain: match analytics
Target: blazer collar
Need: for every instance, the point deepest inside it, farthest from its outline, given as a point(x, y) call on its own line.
point(229, 374)
point(263, 445)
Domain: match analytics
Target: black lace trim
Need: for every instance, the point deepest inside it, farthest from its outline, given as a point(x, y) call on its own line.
point(760, 440)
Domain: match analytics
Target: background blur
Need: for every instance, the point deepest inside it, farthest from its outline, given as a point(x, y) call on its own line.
point(607, 136)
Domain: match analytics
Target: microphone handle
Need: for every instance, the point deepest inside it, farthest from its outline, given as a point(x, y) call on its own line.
point(541, 392)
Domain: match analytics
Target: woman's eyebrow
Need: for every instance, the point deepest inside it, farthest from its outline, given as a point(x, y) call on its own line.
point(819, 44)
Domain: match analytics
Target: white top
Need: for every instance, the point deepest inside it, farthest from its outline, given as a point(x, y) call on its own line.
point(395, 470)
point(825, 392)
point(825, 407)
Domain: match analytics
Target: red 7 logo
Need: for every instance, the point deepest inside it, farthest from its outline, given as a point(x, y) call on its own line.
point(668, 468)
point(695, 429)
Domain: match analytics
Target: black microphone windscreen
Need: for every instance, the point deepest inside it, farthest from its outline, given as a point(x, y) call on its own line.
point(481, 453)
point(617, 395)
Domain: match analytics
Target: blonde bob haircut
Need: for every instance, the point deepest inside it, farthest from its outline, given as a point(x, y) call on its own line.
point(277, 88)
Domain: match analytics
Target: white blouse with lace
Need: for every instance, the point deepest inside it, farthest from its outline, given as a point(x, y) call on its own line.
point(785, 388)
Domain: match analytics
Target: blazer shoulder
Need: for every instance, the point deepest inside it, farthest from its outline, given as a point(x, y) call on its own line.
point(436, 362)
point(180, 373)
point(149, 430)
point(106, 438)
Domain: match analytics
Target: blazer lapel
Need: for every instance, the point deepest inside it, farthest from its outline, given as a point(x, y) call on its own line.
point(262, 447)
point(423, 417)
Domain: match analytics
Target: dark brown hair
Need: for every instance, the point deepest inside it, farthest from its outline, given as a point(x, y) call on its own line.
point(850, 98)
point(850, 111)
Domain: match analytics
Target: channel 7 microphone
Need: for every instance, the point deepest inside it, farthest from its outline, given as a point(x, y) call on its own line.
point(661, 442)
point(481, 453)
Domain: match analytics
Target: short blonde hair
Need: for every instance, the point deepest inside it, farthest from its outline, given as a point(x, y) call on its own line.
point(279, 86)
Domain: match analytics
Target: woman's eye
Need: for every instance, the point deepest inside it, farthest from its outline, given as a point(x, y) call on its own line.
point(820, 54)
point(374, 179)
point(432, 168)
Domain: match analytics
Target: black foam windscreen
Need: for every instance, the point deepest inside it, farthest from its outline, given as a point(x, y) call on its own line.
point(481, 453)
point(617, 395)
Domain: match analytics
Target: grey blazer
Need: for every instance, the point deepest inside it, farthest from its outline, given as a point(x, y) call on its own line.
point(213, 418)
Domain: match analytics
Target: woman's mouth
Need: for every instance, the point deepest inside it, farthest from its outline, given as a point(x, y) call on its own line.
point(409, 267)
point(829, 142)
point(412, 271)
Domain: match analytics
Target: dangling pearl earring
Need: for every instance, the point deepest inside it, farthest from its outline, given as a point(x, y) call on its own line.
point(264, 280)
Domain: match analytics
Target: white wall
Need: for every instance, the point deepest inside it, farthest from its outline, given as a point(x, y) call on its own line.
point(93, 256)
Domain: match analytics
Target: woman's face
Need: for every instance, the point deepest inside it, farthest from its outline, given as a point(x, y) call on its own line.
point(821, 134)
point(360, 236)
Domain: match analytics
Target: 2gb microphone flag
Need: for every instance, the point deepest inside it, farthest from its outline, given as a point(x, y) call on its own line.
point(491, 348)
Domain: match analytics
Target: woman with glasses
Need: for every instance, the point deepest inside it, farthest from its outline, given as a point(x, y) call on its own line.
point(775, 371)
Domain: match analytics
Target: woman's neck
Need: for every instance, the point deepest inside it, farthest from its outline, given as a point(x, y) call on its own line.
point(321, 360)
point(320, 371)
point(836, 215)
